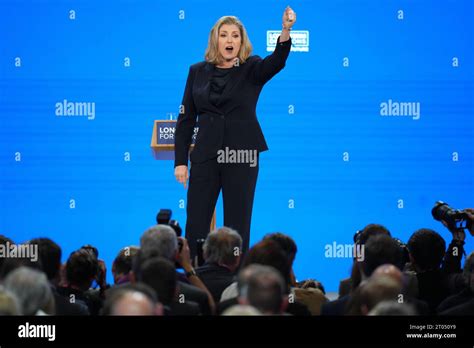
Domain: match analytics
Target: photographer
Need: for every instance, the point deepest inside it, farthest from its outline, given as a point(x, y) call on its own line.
point(465, 295)
point(268, 253)
point(82, 268)
point(456, 221)
point(470, 213)
point(50, 258)
point(161, 240)
point(122, 265)
point(434, 277)
point(160, 275)
point(100, 277)
point(222, 258)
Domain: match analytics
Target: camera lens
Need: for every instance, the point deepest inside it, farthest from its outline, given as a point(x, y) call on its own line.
point(441, 211)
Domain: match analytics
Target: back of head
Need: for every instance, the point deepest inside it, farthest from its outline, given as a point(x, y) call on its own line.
point(381, 288)
point(81, 268)
point(50, 256)
point(159, 240)
point(222, 246)
point(263, 287)
point(241, 310)
point(92, 249)
point(381, 249)
point(160, 275)
point(9, 303)
point(369, 231)
point(286, 243)
point(12, 263)
point(123, 262)
point(373, 291)
point(130, 299)
point(427, 249)
point(390, 271)
point(385, 308)
point(268, 253)
point(32, 290)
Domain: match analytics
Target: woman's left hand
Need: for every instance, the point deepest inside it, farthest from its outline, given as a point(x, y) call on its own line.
point(289, 17)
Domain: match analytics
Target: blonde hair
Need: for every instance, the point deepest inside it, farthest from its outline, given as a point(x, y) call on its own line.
point(212, 51)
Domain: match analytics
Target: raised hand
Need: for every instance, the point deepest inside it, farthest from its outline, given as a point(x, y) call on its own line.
point(289, 17)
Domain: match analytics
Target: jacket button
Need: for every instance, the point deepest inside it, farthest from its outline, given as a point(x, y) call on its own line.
point(222, 117)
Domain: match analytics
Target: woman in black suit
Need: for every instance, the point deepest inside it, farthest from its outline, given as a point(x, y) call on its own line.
point(223, 90)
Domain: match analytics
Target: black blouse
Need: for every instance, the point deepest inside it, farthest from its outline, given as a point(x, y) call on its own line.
point(218, 82)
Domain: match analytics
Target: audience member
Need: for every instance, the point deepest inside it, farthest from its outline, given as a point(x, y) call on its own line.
point(33, 291)
point(221, 250)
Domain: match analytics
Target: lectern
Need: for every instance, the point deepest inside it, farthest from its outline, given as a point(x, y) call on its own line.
point(162, 146)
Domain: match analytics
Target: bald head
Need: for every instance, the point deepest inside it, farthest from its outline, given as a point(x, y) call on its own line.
point(133, 303)
point(389, 271)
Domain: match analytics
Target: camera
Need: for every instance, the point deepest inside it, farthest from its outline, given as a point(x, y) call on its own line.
point(174, 224)
point(455, 219)
point(100, 269)
point(164, 218)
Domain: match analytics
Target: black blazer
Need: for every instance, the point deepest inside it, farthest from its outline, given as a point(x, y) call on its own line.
point(233, 122)
point(216, 279)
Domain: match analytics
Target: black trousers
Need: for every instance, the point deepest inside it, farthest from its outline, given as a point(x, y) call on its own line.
point(237, 181)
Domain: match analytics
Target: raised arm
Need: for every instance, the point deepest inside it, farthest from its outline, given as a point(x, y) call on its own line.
point(289, 19)
point(268, 67)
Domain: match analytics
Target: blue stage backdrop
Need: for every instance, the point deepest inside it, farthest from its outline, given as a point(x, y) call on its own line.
point(371, 120)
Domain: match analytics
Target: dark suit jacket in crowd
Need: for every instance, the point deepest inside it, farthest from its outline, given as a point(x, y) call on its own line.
point(193, 293)
point(90, 298)
point(216, 278)
point(433, 287)
point(466, 308)
point(336, 307)
point(64, 307)
point(452, 301)
point(233, 121)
